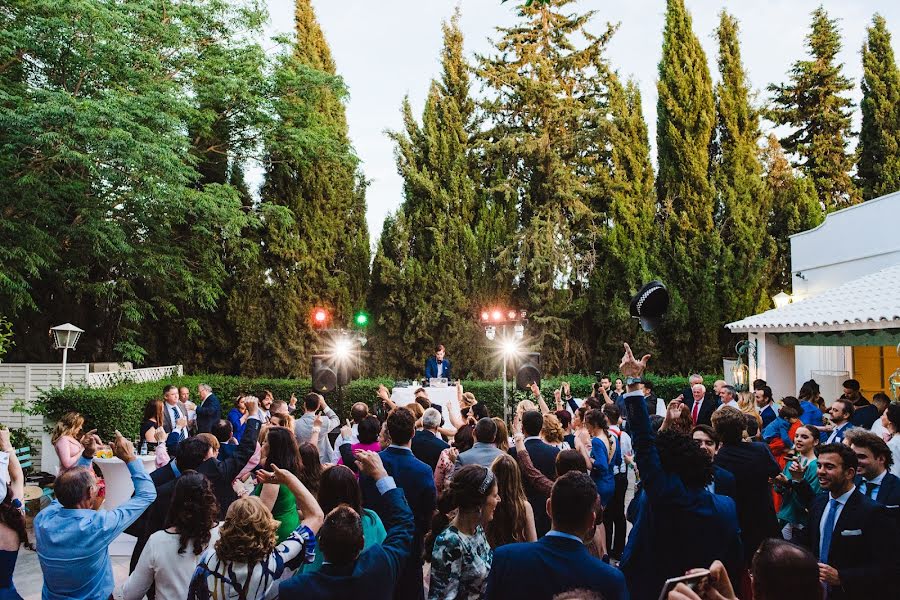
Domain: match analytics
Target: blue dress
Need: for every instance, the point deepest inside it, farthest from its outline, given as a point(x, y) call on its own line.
point(234, 415)
point(602, 472)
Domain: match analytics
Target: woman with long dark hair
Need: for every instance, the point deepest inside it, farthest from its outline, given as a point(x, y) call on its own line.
point(12, 519)
point(811, 402)
point(458, 549)
point(238, 416)
point(513, 518)
point(151, 420)
point(170, 556)
point(312, 467)
point(338, 486)
point(280, 448)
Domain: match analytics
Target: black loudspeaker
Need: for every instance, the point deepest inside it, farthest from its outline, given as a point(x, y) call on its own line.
point(324, 379)
point(528, 370)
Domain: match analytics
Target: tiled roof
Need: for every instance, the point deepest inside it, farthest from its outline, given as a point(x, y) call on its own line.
point(870, 302)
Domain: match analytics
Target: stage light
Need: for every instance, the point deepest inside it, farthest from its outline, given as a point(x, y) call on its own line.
point(490, 332)
point(510, 347)
point(361, 319)
point(342, 348)
point(511, 315)
point(320, 317)
point(497, 315)
point(485, 316)
point(519, 331)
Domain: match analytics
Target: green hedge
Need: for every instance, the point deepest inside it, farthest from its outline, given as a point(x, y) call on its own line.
point(120, 407)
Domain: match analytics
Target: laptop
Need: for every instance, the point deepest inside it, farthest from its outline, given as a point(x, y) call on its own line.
point(438, 382)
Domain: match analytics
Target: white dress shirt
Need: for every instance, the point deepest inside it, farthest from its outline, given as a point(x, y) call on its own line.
point(842, 501)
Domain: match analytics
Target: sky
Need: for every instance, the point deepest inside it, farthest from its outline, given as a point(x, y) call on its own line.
point(388, 49)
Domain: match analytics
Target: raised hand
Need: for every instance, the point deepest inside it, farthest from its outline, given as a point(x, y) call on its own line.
point(370, 464)
point(122, 448)
point(181, 423)
point(161, 434)
point(535, 389)
point(251, 403)
point(347, 431)
point(796, 470)
point(90, 441)
point(630, 366)
point(276, 475)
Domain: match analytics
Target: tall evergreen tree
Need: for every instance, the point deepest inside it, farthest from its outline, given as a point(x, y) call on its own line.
point(689, 241)
point(315, 257)
point(814, 105)
point(743, 203)
point(795, 208)
point(549, 130)
point(422, 276)
point(878, 153)
point(626, 256)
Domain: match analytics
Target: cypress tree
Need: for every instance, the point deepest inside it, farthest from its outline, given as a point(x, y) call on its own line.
point(795, 208)
point(743, 203)
point(690, 243)
point(549, 132)
point(878, 154)
point(813, 105)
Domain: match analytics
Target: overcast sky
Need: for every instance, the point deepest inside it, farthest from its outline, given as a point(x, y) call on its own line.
point(385, 49)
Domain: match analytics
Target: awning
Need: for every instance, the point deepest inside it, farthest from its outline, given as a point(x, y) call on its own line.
point(868, 303)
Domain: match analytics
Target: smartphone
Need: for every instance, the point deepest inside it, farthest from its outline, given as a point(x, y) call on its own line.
point(693, 581)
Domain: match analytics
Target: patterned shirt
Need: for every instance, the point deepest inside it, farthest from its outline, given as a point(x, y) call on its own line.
point(460, 565)
point(214, 579)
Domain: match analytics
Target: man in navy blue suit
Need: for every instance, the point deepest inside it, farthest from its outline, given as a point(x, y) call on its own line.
point(675, 507)
point(348, 572)
point(851, 535)
point(559, 561)
point(873, 478)
point(543, 455)
point(765, 404)
point(437, 365)
point(209, 411)
point(416, 480)
point(427, 444)
point(723, 482)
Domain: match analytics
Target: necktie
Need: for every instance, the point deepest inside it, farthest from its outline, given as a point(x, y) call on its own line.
point(825, 544)
point(177, 413)
point(696, 411)
point(871, 490)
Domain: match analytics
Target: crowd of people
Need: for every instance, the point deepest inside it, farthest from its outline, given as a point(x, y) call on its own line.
point(770, 500)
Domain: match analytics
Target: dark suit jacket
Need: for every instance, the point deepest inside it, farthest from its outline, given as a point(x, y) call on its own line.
point(544, 458)
point(416, 479)
point(710, 404)
point(888, 495)
point(427, 447)
point(540, 570)
point(431, 368)
point(374, 574)
point(752, 464)
point(864, 416)
point(767, 415)
point(209, 412)
point(863, 547)
point(664, 541)
point(167, 415)
point(724, 482)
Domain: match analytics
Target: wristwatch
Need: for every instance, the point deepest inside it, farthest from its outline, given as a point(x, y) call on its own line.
point(633, 380)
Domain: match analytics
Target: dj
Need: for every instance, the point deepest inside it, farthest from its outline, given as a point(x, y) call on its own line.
point(437, 366)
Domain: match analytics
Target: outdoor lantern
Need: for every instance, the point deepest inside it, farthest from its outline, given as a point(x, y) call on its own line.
point(740, 372)
point(781, 299)
point(65, 337)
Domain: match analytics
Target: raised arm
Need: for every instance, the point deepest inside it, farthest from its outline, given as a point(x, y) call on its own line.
point(536, 391)
point(538, 480)
point(398, 517)
point(232, 466)
point(113, 522)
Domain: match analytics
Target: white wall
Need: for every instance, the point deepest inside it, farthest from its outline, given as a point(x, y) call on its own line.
point(775, 365)
point(849, 243)
point(24, 382)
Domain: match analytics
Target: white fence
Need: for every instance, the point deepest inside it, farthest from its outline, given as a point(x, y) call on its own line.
point(110, 378)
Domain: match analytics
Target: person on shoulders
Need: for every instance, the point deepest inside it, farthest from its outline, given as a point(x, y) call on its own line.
point(559, 561)
point(437, 366)
point(73, 536)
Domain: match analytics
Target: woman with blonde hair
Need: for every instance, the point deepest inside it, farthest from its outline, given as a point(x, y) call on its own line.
point(66, 439)
point(747, 405)
point(502, 438)
point(245, 562)
point(553, 433)
point(513, 518)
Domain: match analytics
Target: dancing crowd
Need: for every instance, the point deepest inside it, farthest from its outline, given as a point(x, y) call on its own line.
point(749, 497)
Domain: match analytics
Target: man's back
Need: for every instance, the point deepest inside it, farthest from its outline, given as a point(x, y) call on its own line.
point(427, 447)
point(553, 564)
point(480, 454)
point(544, 458)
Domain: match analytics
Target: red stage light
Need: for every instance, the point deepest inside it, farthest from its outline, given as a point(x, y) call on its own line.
point(497, 315)
point(320, 316)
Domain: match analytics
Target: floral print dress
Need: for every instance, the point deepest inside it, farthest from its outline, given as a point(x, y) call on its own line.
point(460, 565)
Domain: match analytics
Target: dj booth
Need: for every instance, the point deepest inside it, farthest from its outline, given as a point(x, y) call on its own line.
point(401, 396)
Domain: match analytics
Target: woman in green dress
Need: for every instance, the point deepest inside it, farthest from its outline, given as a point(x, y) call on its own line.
point(800, 470)
point(337, 486)
point(280, 449)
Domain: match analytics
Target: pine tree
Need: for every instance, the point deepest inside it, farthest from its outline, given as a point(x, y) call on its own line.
point(547, 108)
point(422, 288)
point(689, 241)
point(813, 105)
point(795, 208)
point(626, 255)
point(878, 153)
point(743, 203)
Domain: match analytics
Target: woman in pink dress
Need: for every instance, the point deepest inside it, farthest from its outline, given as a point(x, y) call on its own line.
point(65, 439)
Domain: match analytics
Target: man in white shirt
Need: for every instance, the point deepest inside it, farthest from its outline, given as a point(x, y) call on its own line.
point(175, 414)
point(841, 411)
point(728, 395)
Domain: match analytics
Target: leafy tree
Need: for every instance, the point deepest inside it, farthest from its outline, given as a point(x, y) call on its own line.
point(689, 241)
point(546, 110)
point(743, 202)
point(878, 153)
point(795, 208)
point(814, 106)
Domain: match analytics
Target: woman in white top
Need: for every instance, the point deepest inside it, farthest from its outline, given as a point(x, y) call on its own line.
point(170, 556)
point(245, 562)
point(890, 419)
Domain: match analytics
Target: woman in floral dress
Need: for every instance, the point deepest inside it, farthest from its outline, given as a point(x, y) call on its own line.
point(458, 548)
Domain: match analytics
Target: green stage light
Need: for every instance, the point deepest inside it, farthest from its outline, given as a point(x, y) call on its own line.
point(361, 319)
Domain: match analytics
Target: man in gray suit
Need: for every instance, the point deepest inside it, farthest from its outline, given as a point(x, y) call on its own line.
point(175, 414)
point(484, 451)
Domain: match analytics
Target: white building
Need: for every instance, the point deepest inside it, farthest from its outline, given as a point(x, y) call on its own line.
point(843, 320)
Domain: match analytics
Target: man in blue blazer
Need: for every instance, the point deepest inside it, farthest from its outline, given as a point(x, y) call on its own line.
point(347, 573)
point(559, 561)
point(427, 444)
point(723, 482)
point(543, 455)
point(676, 507)
point(210, 409)
point(851, 535)
point(416, 480)
point(437, 365)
